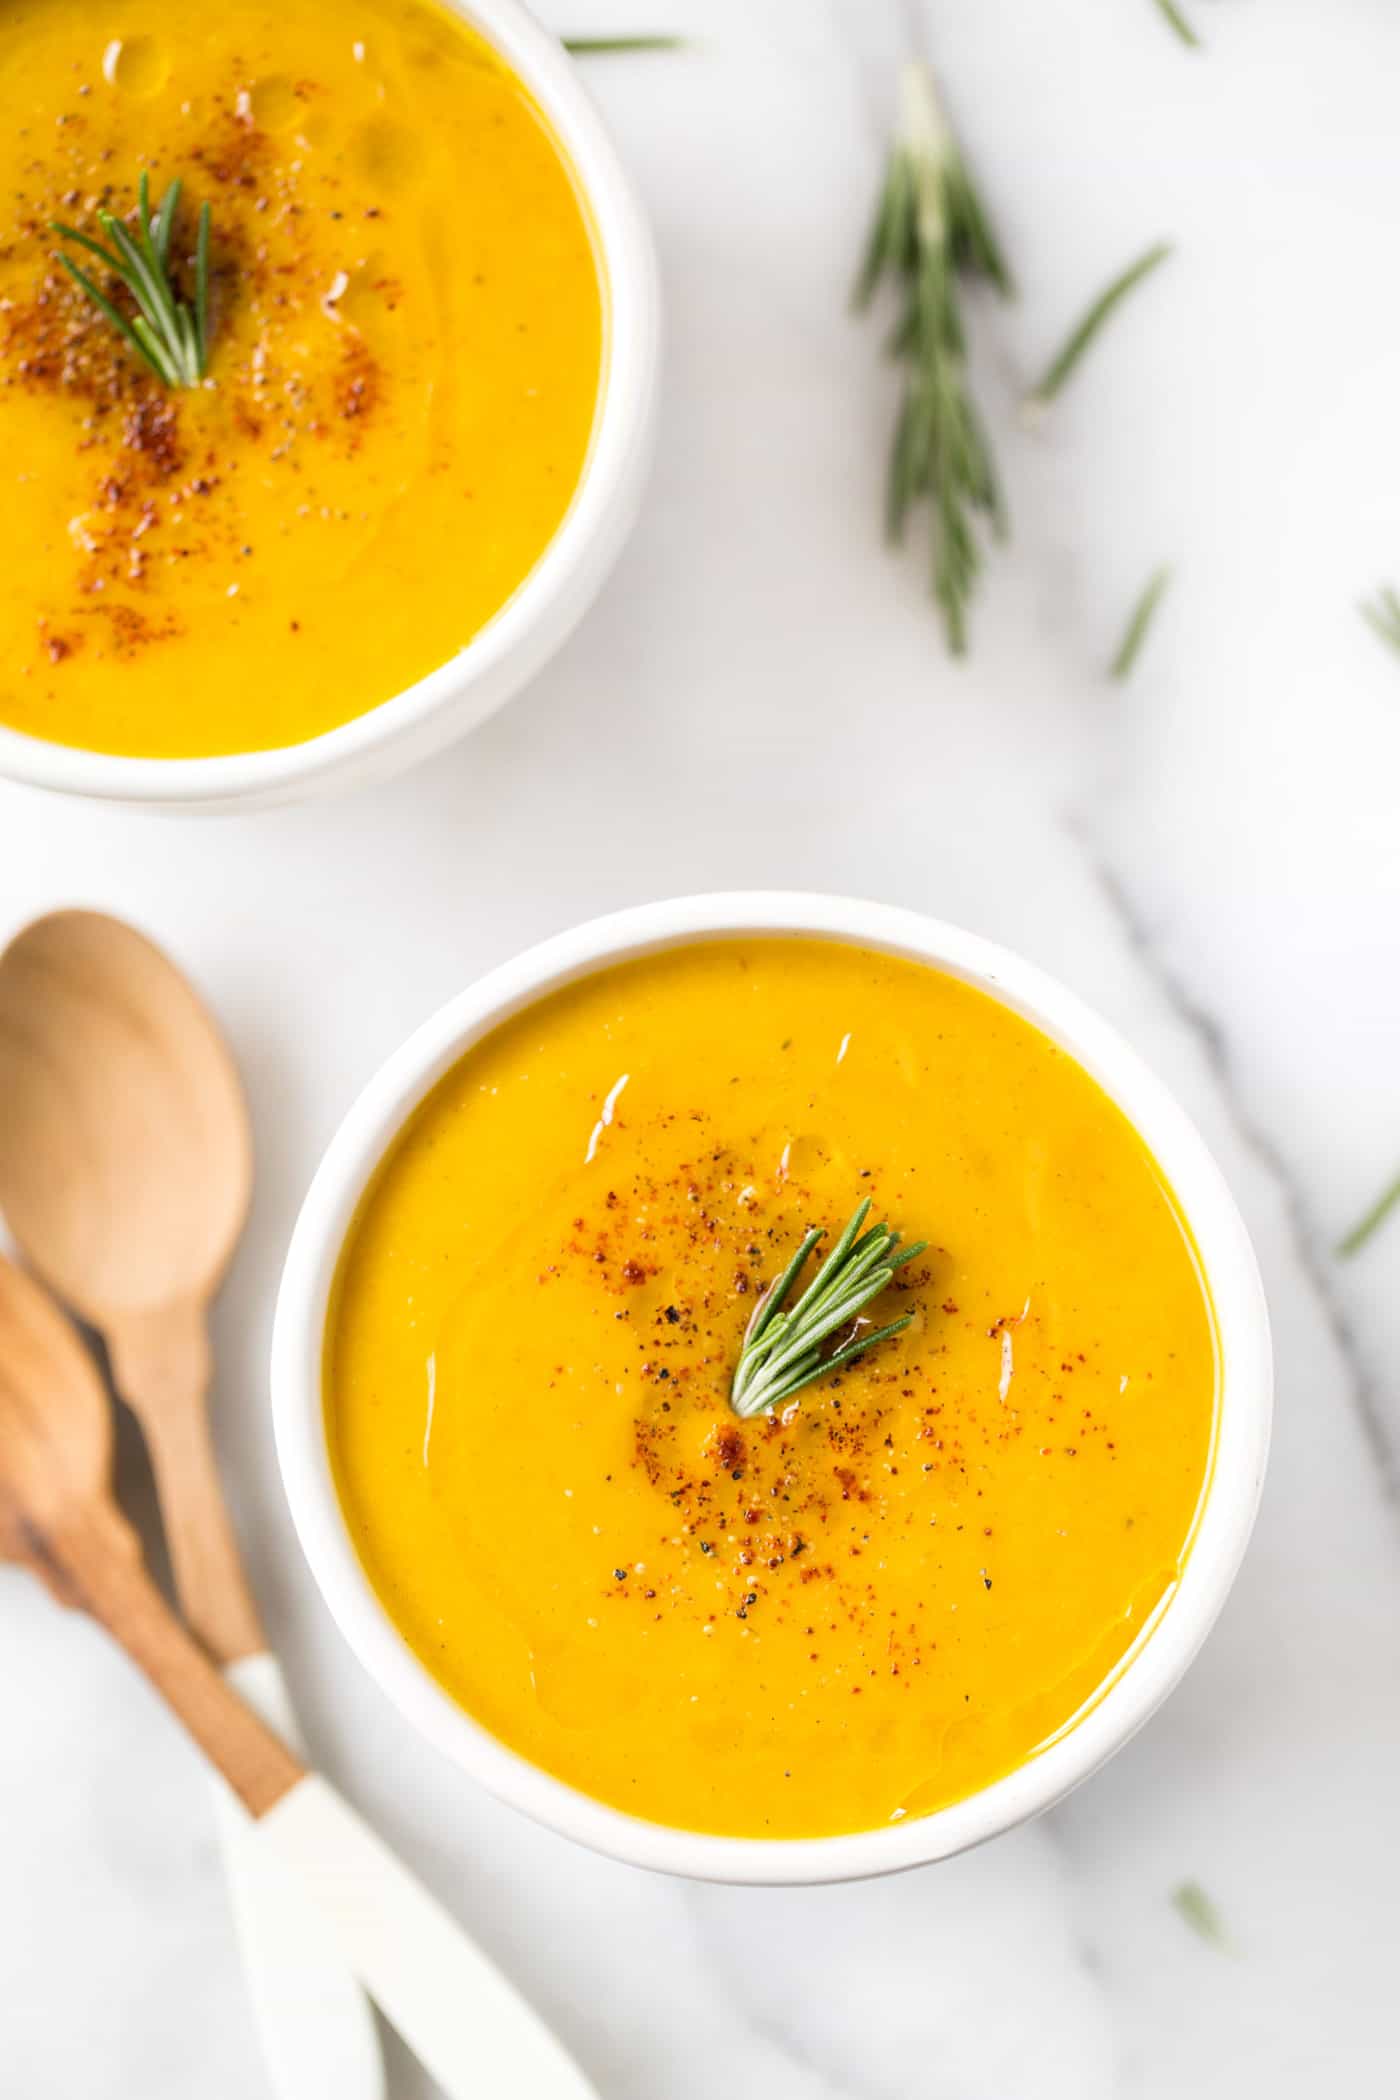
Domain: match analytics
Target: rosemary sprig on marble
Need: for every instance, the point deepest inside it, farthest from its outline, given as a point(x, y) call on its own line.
point(1139, 620)
point(930, 234)
point(1082, 335)
point(782, 1348)
point(1171, 14)
point(1382, 615)
point(168, 333)
point(1375, 1217)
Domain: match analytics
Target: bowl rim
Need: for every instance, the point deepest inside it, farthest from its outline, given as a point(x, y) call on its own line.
point(1164, 1649)
point(523, 632)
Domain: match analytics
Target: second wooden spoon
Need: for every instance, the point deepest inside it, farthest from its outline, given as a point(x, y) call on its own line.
point(471, 2029)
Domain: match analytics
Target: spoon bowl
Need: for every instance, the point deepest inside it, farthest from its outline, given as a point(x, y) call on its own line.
point(126, 1168)
point(126, 1160)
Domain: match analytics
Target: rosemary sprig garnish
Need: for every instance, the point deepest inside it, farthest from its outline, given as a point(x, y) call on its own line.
point(1112, 295)
point(1140, 619)
point(606, 46)
point(167, 333)
point(1382, 615)
point(782, 1350)
point(1175, 19)
point(1375, 1217)
point(930, 231)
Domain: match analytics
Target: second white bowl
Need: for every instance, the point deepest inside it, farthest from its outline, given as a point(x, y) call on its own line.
point(1166, 1646)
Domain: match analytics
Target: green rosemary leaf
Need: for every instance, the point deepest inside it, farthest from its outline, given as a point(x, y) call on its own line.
point(850, 1350)
point(975, 246)
point(603, 46)
point(884, 244)
point(783, 1345)
point(847, 1262)
point(1375, 1217)
point(1172, 15)
point(1382, 615)
point(165, 220)
point(147, 285)
point(158, 356)
point(143, 216)
point(105, 306)
point(773, 1301)
point(1200, 1913)
point(167, 334)
point(930, 233)
point(201, 288)
point(85, 240)
point(1140, 619)
point(1064, 363)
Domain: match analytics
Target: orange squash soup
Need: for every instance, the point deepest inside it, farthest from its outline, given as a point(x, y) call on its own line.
point(889, 1590)
point(405, 330)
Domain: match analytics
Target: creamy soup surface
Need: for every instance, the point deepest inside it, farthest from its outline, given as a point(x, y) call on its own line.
point(904, 1584)
point(406, 346)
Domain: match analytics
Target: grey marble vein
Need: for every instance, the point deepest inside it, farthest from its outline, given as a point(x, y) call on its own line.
point(1312, 1259)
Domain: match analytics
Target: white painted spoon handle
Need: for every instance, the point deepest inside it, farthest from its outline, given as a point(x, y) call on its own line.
point(467, 2025)
point(318, 2033)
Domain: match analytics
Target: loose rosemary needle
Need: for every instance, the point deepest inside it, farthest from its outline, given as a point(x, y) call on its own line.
point(606, 46)
point(782, 1349)
point(930, 233)
point(168, 334)
point(1382, 615)
point(1112, 295)
point(1375, 1217)
point(1201, 1914)
point(1172, 15)
point(1140, 619)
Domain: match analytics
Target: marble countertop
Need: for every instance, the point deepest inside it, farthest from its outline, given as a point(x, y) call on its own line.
point(1209, 853)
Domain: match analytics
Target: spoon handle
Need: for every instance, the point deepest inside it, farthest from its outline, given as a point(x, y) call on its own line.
point(161, 1366)
point(464, 2022)
point(318, 2032)
point(99, 1565)
point(468, 2026)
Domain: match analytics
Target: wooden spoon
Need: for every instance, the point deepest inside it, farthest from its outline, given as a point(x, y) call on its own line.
point(466, 2024)
point(125, 1174)
point(126, 1168)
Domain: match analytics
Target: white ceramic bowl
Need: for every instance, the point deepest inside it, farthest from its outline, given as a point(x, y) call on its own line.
point(535, 620)
point(1166, 1645)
